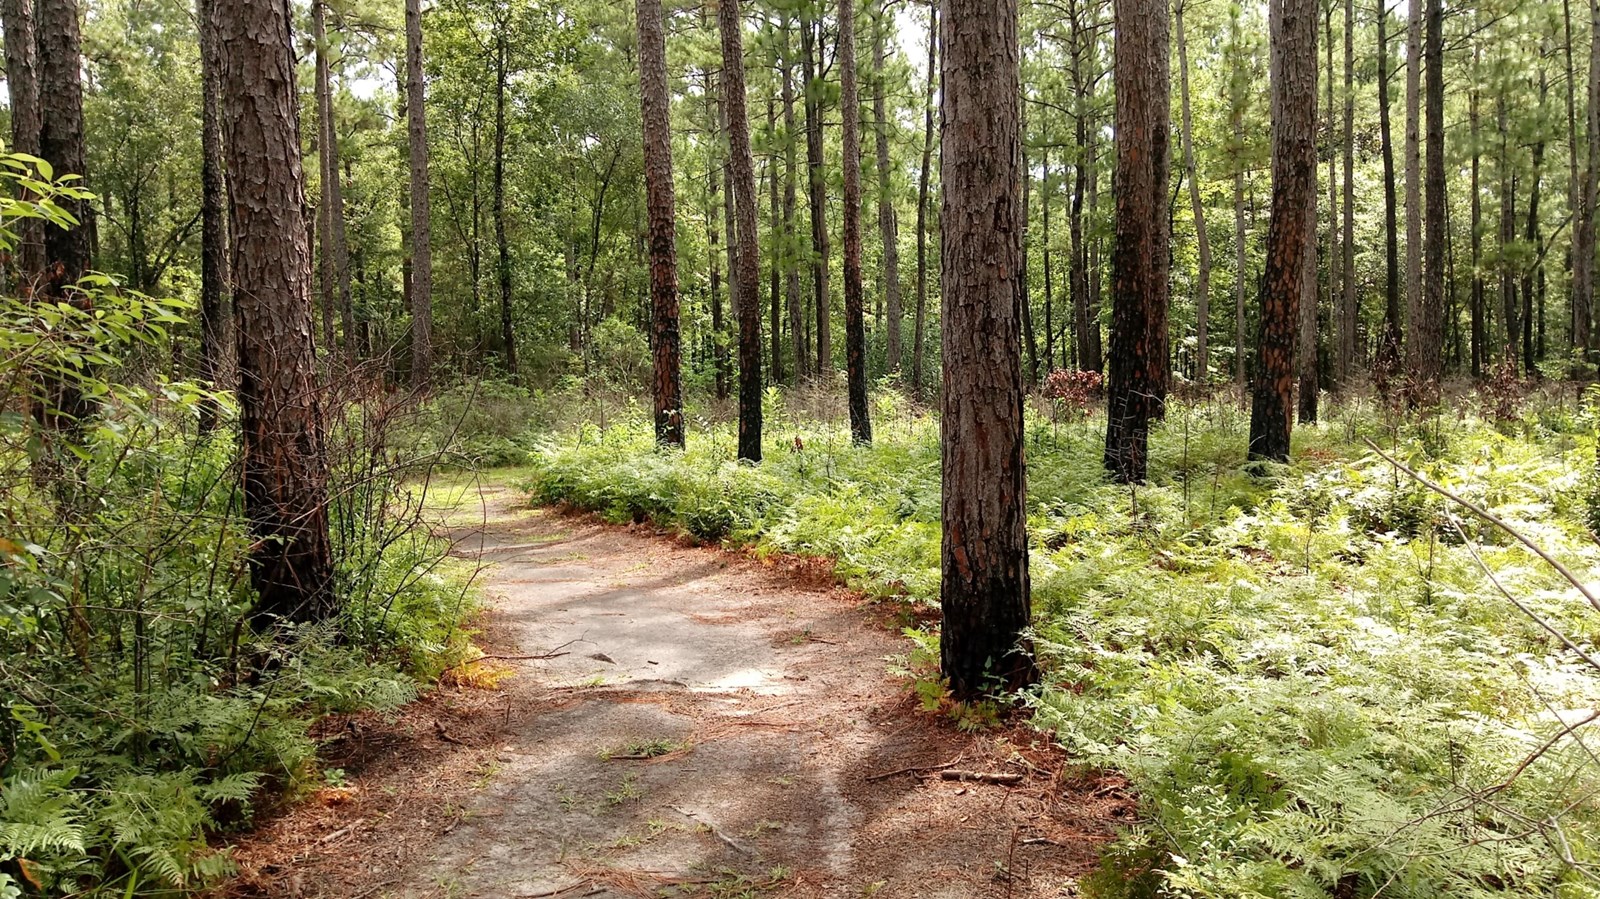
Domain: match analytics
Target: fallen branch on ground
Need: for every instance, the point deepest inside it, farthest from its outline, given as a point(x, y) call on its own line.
point(988, 777)
point(915, 769)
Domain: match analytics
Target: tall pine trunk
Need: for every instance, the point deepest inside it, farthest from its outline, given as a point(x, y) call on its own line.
point(888, 229)
point(1475, 307)
point(719, 350)
point(216, 308)
point(855, 338)
point(22, 82)
point(775, 251)
point(421, 246)
point(1137, 386)
point(335, 248)
point(1294, 198)
point(984, 558)
point(1389, 341)
point(1428, 330)
point(1535, 272)
point(1349, 318)
point(1584, 240)
point(508, 336)
point(1509, 309)
point(919, 326)
point(285, 465)
point(809, 39)
point(743, 185)
point(1045, 195)
point(798, 337)
point(66, 251)
point(655, 107)
point(1413, 160)
point(1202, 290)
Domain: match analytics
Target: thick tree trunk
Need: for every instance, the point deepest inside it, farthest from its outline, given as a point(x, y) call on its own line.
point(855, 337)
point(285, 466)
point(508, 337)
point(1389, 342)
point(809, 40)
point(67, 251)
point(1137, 386)
point(335, 248)
point(1202, 291)
point(919, 326)
point(655, 107)
point(797, 326)
point(22, 82)
point(888, 228)
point(748, 275)
point(421, 245)
point(1294, 197)
point(216, 307)
point(984, 588)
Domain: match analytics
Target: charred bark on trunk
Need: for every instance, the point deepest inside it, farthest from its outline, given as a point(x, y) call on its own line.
point(654, 108)
point(1294, 196)
point(748, 275)
point(984, 587)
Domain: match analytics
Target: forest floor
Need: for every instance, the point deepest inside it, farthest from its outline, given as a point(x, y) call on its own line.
point(675, 721)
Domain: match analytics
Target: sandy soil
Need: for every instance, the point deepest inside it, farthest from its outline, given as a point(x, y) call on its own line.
point(682, 721)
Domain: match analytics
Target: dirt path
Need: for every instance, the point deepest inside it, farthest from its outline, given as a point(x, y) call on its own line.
point(705, 725)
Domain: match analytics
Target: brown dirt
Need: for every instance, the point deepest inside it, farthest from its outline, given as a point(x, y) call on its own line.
point(707, 725)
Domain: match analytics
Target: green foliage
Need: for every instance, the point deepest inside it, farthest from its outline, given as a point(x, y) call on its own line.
point(1312, 684)
point(139, 713)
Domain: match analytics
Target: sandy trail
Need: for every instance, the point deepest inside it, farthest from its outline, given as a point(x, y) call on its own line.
point(706, 725)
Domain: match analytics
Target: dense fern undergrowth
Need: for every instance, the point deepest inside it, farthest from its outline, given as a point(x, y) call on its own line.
point(140, 715)
point(1311, 680)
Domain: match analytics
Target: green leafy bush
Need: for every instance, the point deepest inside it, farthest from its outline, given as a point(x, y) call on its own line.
point(139, 714)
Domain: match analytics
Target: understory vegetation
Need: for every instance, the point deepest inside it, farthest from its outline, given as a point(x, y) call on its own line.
point(1313, 674)
point(142, 709)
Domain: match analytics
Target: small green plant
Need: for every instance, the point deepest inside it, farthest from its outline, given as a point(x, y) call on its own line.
point(628, 790)
point(644, 748)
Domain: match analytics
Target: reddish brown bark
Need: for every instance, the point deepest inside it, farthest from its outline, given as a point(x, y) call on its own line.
point(1137, 384)
point(654, 113)
point(743, 184)
point(855, 337)
point(1294, 197)
point(285, 467)
point(984, 586)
